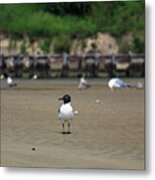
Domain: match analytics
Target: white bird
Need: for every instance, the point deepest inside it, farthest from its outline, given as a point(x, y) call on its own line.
point(140, 85)
point(66, 113)
point(116, 83)
point(2, 76)
point(83, 84)
point(9, 80)
point(35, 77)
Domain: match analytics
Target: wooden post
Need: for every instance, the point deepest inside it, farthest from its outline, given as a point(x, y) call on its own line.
point(65, 67)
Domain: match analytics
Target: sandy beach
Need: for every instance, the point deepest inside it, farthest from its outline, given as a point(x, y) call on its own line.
point(107, 133)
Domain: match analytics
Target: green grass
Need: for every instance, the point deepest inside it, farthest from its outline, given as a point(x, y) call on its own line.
point(74, 20)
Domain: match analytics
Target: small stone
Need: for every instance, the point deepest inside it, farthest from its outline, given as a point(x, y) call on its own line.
point(33, 149)
point(97, 100)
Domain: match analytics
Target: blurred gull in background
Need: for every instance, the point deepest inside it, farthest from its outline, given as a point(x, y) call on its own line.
point(83, 84)
point(10, 82)
point(117, 83)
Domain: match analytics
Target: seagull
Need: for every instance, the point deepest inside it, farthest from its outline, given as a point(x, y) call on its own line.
point(66, 113)
point(10, 81)
point(140, 85)
point(2, 76)
point(116, 83)
point(83, 84)
point(35, 77)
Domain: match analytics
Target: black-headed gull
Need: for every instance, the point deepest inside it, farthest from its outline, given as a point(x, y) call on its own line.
point(66, 113)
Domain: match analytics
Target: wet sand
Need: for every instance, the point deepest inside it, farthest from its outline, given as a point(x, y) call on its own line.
point(105, 134)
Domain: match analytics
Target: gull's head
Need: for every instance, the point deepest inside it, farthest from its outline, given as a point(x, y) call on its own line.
point(66, 99)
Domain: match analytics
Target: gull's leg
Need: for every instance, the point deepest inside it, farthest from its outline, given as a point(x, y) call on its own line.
point(69, 128)
point(63, 127)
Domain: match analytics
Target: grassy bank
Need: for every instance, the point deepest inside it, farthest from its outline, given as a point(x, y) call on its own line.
point(74, 20)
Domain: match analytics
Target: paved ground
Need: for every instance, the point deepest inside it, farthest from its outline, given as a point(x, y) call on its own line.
point(108, 133)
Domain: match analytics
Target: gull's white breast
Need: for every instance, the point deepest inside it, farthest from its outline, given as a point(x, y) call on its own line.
point(66, 112)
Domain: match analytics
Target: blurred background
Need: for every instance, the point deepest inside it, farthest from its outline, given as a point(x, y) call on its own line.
point(95, 39)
